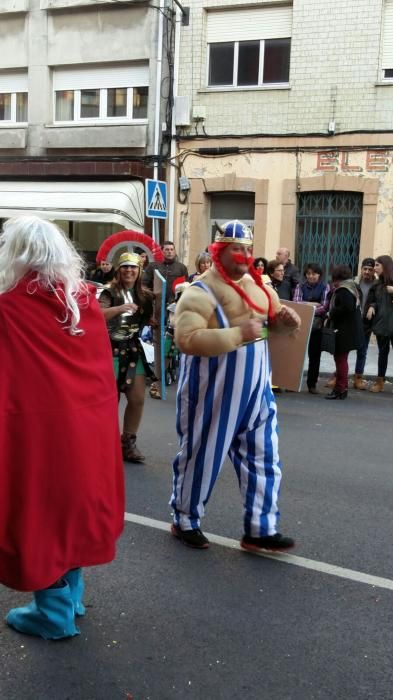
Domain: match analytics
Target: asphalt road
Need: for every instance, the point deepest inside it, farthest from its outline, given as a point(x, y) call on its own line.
point(168, 623)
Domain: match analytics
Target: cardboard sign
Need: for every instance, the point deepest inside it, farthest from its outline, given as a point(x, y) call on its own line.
point(288, 352)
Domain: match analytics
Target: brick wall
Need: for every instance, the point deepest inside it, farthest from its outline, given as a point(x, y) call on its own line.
point(334, 72)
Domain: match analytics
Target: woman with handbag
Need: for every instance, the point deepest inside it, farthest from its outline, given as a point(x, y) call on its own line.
point(127, 308)
point(314, 291)
point(380, 314)
point(344, 316)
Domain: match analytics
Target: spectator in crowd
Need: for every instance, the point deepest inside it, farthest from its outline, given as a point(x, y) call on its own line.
point(103, 273)
point(380, 314)
point(143, 256)
point(345, 317)
point(171, 269)
point(260, 265)
point(291, 272)
point(315, 291)
point(61, 472)
point(127, 308)
point(364, 281)
point(282, 286)
point(203, 262)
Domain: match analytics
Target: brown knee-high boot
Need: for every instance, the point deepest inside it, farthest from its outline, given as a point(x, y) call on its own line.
point(129, 448)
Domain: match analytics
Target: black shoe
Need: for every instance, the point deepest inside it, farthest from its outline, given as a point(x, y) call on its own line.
point(337, 395)
point(270, 543)
point(192, 538)
point(313, 390)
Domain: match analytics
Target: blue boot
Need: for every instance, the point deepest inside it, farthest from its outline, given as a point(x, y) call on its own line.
point(51, 615)
point(74, 579)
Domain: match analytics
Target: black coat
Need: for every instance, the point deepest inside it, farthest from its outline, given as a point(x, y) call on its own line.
point(282, 288)
point(170, 272)
point(291, 276)
point(382, 302)
point(346, 318)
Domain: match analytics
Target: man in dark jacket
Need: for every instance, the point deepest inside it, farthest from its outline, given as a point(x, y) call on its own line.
point(170, 269)
point(291, 272)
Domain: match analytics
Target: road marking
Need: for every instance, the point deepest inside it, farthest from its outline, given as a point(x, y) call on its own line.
point(330, 569)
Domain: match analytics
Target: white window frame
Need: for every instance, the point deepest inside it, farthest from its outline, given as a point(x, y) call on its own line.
point(102, 118)
point(234, 85)
point(386, 62)
point(13, 121)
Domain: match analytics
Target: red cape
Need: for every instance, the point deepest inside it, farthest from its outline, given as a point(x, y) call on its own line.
point(61, 469)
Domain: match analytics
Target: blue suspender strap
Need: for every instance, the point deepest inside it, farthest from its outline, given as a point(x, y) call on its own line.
point(222, 319)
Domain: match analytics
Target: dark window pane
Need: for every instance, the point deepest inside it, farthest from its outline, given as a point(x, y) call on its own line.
point(276, 63)
point(221, 64)
point(388, 72)
point(117, 102)
point(248, 65)
point(90, 103)
point(139, 102)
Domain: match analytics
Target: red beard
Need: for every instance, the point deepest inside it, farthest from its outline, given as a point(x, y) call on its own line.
point(240, 259)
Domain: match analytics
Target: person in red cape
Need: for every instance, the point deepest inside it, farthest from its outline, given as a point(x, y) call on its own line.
point(61, 469)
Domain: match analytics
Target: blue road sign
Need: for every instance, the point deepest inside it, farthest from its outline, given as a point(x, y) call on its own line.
point(156, 199)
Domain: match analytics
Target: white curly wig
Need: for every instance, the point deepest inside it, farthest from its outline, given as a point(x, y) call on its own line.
point(29, 244)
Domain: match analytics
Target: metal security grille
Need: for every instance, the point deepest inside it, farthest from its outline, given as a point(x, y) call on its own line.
point(328, 229)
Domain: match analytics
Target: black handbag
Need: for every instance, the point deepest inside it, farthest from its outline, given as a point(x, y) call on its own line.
point(328, 341)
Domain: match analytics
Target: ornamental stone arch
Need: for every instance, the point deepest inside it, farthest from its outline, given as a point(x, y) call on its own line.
point(331, 182)
point(199, 208)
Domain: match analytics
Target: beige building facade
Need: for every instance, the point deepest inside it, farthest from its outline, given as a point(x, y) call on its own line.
point(291, 127)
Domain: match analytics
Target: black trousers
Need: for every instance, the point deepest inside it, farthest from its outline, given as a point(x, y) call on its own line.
point(384, 343)
point(314, 357)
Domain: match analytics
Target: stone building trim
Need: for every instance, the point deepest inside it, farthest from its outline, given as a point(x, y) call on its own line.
point(199, 207)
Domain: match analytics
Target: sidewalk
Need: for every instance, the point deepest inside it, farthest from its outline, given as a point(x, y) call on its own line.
point(371, 369)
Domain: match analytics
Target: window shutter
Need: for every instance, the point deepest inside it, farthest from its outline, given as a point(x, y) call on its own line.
point(250, 24)
point(13, 82)
point(81, 78)
point(387, 50)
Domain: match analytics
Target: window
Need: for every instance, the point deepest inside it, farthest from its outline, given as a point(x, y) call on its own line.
point(231, 205)
point(248, 63)
point(248, 48)
point(387, 42)
point(13, 98)
point(101, 94)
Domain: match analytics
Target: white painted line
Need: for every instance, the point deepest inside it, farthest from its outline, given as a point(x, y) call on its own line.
point(330, 569)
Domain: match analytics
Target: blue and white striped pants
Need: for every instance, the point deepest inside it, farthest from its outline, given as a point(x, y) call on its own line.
point(225, 405)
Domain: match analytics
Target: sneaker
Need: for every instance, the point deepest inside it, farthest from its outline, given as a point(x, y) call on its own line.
point(192, 538)
point(269, 543)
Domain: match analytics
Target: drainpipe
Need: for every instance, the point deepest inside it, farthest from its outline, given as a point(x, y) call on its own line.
point(172, 169)
point(157, 124)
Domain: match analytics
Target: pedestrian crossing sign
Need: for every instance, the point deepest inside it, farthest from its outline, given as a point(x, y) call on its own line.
point(156, 199)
